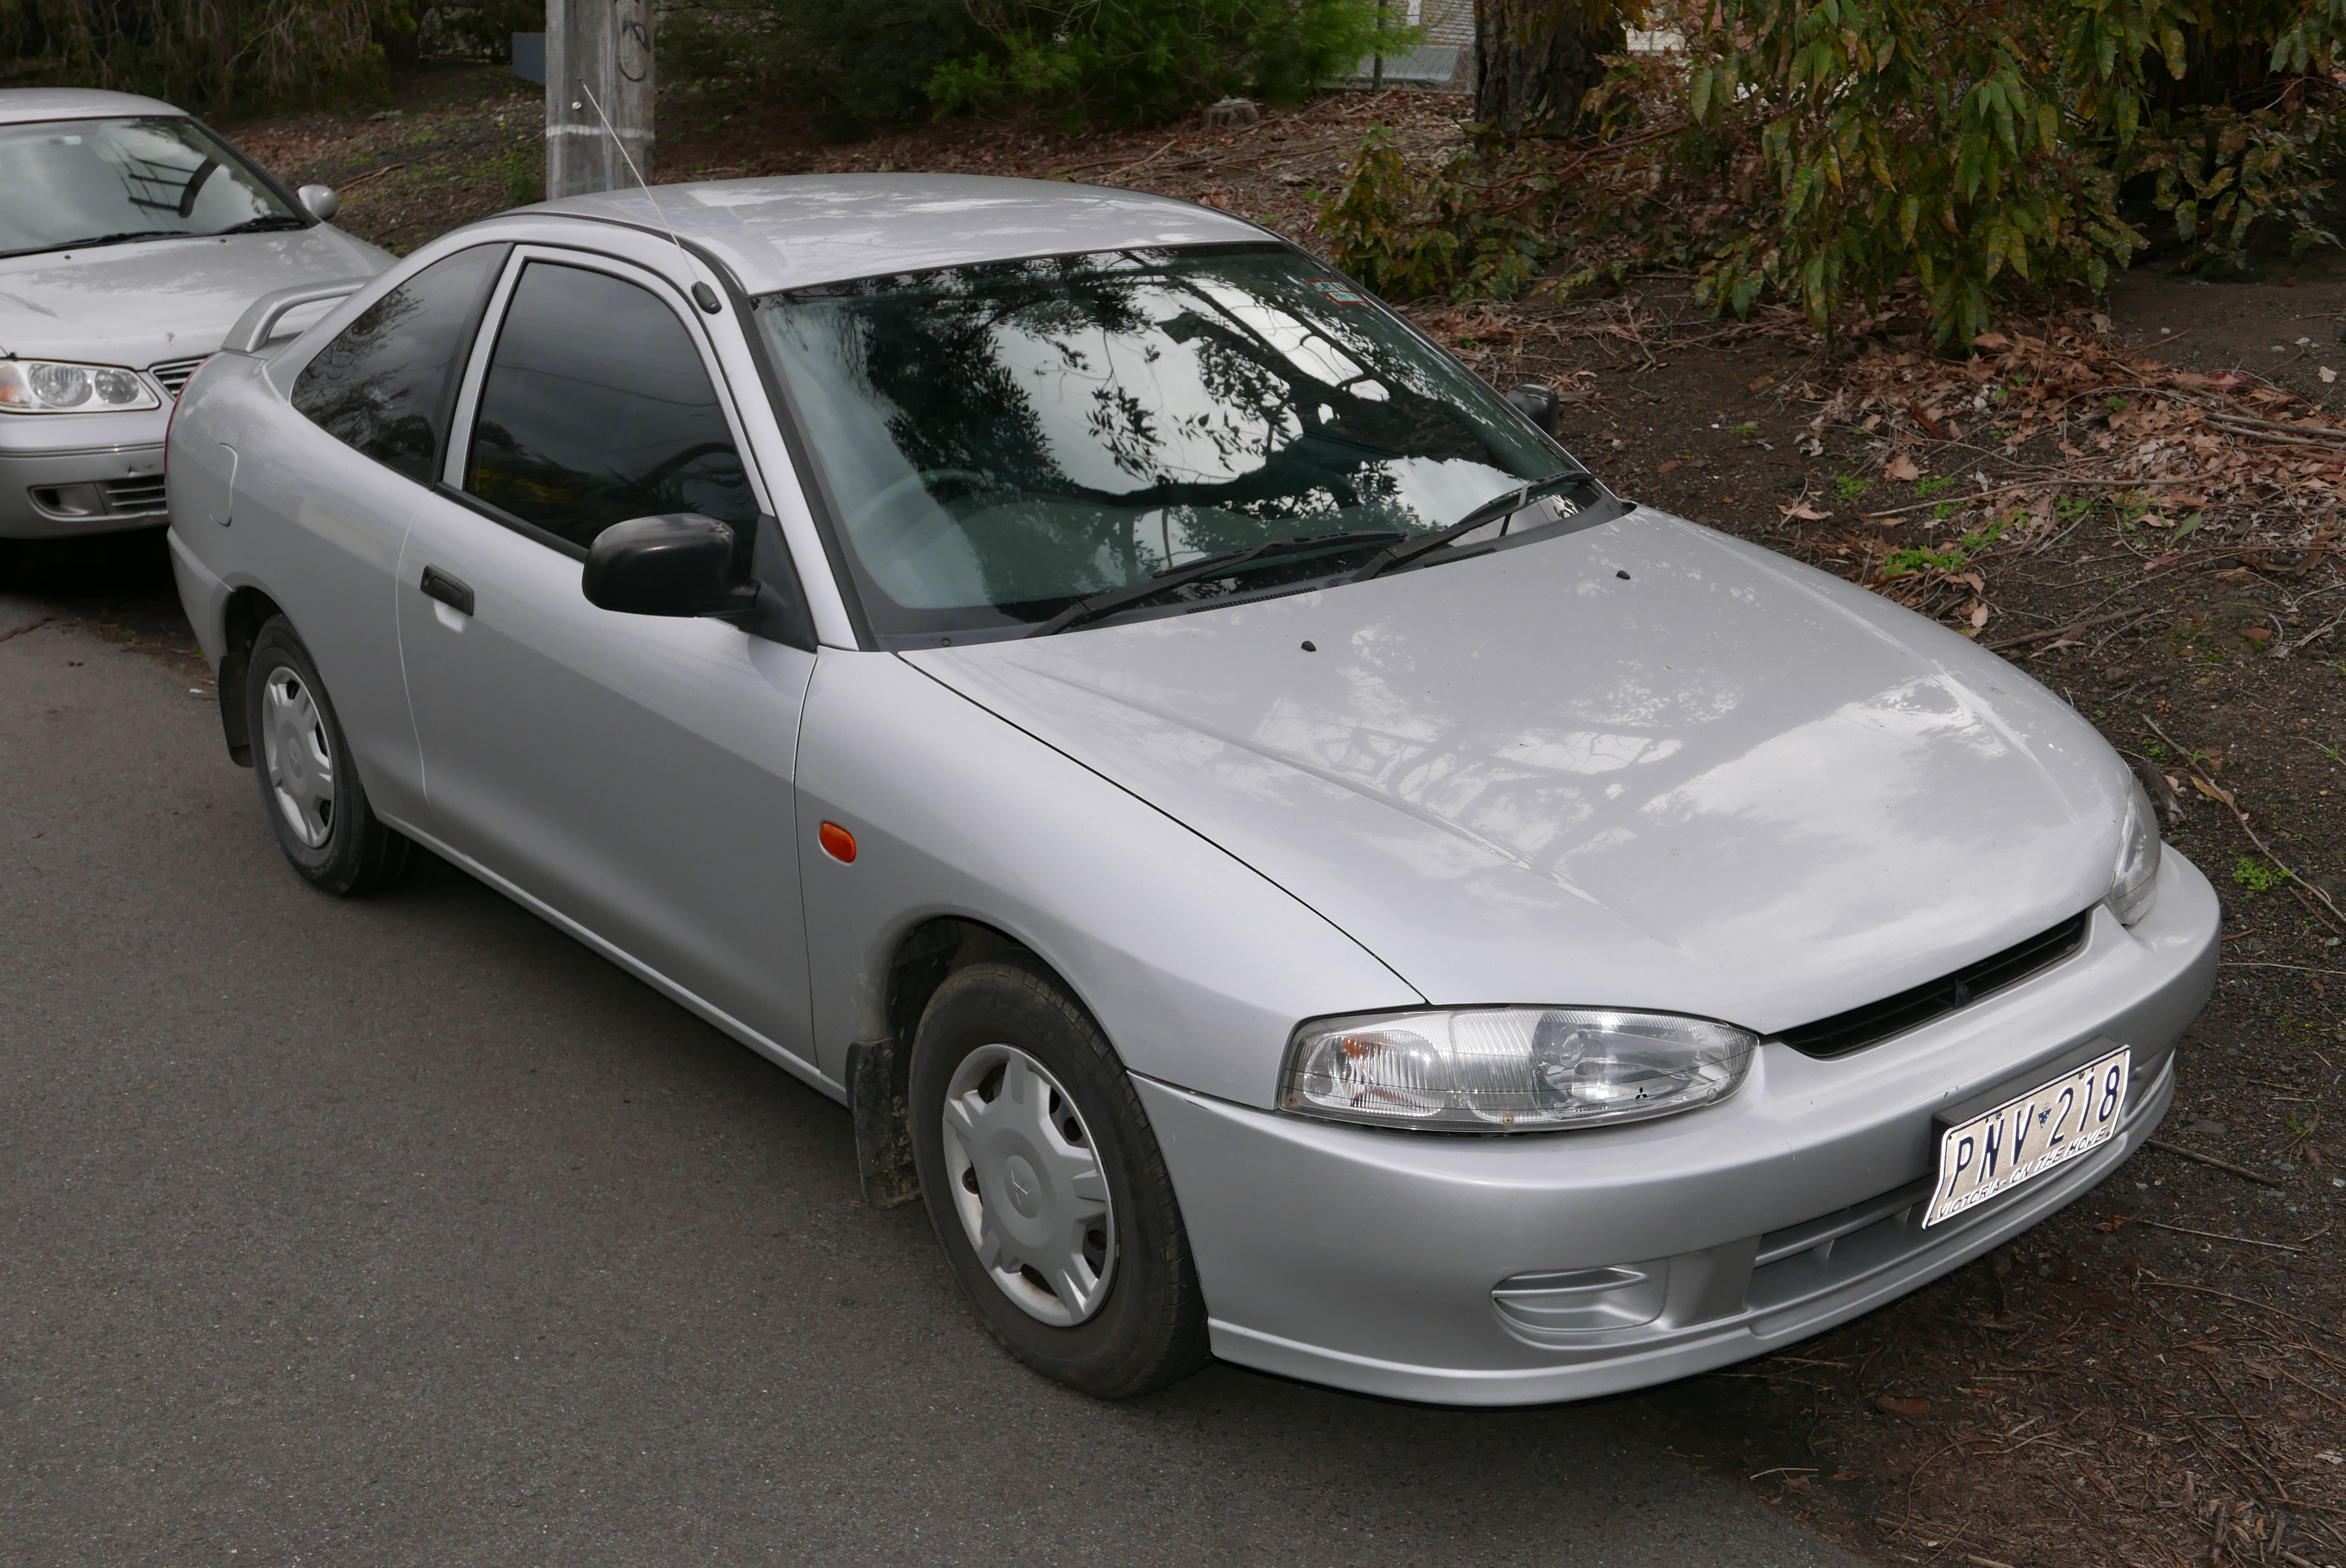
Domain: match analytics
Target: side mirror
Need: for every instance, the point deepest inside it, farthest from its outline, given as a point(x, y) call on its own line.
point(680, 564)
point(1536, 403)
point(320, 201)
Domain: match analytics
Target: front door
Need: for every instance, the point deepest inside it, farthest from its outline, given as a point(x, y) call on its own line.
point(632, 773)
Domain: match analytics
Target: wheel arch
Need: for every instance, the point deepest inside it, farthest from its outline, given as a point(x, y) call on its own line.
point(247, 611)
point(879, 1072)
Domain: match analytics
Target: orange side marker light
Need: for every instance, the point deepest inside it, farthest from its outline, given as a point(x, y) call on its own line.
point(837, 843)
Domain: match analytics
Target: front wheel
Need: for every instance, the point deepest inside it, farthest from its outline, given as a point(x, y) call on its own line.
point(1047, 1188)
point(311, 794)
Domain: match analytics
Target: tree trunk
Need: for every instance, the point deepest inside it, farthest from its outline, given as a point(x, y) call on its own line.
point(1534, 60)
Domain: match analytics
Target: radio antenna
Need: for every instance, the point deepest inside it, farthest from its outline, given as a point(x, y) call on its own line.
point(702, 294)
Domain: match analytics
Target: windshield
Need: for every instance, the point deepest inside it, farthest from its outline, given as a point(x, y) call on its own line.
point(76, 183)
point(1001, 441)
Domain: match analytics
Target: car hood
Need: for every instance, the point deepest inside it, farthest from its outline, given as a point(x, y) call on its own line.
point(1644, 765)
point(162, 299)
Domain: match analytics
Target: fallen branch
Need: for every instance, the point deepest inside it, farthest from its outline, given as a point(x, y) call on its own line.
point(2059, 631)
point(2147, 1278)
point(2212, 1160)
point(2209, 1235)
point(2208, 788)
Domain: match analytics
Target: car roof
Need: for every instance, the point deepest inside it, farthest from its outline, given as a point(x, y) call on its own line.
point(18, 104)
point(790, 231)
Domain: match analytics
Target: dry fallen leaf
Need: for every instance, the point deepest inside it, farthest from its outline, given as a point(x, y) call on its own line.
point(1990, 341)
point(2212, 791)
point(1979, 613)
point(2328, 375)
point(1802, 511)
point(1902, 469)
point(1897, 1406)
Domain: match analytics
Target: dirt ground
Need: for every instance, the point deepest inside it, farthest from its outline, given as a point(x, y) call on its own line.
point(2136, 500)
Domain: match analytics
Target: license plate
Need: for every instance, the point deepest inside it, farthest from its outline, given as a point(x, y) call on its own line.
point(1990, 1153)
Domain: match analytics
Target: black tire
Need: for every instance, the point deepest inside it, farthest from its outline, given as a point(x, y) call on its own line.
point(12, 556)
point(1149, 1331)
point(354, 852)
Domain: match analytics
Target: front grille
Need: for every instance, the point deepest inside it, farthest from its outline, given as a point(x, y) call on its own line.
point(172, 374)
point(135, 497)
point(1878, 1020)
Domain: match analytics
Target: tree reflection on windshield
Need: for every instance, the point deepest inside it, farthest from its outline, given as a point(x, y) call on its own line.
point(1001, 440)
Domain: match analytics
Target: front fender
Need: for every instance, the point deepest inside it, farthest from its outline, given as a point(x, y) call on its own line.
point(1195, 965)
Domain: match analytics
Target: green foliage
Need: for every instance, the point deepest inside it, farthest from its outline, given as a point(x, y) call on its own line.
point(207, 54)
point(857, 67)
point(1907, 560)
point(1926, 488)
point(2256, 876)
point(1979, 143)
point(1470, 227)
point(1850, 486)
point(474, 29)
point(1086, 63)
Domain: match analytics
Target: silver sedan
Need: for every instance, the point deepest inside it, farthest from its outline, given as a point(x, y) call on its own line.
point(131, 237)
point(1283, 861)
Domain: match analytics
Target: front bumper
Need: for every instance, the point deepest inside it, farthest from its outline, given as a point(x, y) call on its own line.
point(65, 474)
point(1368, 1259)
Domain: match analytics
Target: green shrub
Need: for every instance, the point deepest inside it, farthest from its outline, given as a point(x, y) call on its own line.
point(210, 54)
point(1982, 143)
point(857, 67)
point(1409, 234)
point(1084, 63)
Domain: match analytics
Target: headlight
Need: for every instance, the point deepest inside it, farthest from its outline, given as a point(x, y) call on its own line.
point(1509, 1069)
point(2135, 887)
point(48, 386)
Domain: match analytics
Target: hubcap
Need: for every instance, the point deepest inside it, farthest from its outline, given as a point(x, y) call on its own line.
point(1027, 1183)
point(300, 763)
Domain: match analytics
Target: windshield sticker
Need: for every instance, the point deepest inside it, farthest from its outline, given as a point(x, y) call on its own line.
point(1343, 293)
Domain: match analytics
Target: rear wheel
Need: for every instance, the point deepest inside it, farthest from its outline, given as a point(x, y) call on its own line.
point(1047, 1188)
point(311, 794)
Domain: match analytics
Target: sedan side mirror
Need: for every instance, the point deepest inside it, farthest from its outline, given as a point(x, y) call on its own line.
point(680, 564)
point(320, 201)
point(1535, 402)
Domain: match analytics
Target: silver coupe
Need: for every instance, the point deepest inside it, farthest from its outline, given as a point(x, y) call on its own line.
point(131, 237)
point(1277, 855)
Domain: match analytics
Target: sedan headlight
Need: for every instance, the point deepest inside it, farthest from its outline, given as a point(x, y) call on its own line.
point(51, 386)
point(1509, 1069)
point(2135, 887)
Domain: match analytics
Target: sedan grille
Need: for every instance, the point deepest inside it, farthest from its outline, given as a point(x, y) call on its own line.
point(139, 497)
point(172, 374)
point(1878, 1020)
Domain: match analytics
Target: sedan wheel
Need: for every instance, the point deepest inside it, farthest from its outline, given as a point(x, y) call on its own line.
point(299, 757)
point(1027, 1184)
point(1047, 1187)
point(314, 798)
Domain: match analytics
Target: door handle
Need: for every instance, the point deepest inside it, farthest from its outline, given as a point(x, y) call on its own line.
point(438, 585)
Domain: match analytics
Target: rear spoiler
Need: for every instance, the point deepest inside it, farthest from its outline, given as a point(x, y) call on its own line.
point(258, 323)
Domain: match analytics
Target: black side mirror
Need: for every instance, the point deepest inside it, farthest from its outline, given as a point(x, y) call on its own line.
point(1535, 402)
point(680, 564)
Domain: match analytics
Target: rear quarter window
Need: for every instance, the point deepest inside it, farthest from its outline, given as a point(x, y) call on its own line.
point(384, 385)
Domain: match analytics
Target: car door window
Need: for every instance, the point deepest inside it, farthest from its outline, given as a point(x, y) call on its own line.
point(384, 385)
point(597, 408)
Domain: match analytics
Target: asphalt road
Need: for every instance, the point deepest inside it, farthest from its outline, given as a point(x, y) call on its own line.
point(408, 1231)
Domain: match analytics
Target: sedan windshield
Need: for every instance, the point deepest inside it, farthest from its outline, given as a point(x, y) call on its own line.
point(1001, 442)
point(73, 184)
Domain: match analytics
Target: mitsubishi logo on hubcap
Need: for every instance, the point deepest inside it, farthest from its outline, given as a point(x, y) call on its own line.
point(1025, 1189)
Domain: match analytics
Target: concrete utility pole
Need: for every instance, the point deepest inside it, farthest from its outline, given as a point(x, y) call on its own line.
point(596, 52)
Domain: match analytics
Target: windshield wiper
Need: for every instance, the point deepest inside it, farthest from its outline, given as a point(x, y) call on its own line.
point(1502, 505)
point(101, 240)
point(1114, 599)
point(262, 224)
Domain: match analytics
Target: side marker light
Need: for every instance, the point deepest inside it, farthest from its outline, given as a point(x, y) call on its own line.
point(837, 843)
